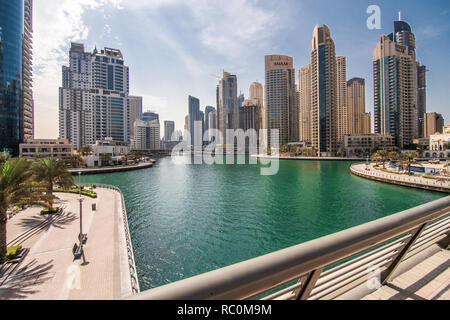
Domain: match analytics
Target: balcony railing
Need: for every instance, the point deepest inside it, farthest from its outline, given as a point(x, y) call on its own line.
point(324, 268)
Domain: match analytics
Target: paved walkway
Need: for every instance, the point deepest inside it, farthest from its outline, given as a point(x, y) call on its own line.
point(400, 179)
point(48, 271)
point(429, 280)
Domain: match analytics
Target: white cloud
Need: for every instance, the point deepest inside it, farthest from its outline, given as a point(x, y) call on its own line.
point(56, 23)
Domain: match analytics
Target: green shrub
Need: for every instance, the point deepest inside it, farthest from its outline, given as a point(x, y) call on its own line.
point(49, 211)
point(11, 252)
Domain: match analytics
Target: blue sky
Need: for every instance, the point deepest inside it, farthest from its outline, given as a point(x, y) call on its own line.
point(176, 48)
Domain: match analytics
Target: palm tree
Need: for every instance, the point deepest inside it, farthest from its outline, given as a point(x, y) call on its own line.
point(382, 156)
point(409, 159)
point(50, 173)
point(16, 188)
point(125, 157)
point(76, 160)
point(393, 155)
point(85, 150)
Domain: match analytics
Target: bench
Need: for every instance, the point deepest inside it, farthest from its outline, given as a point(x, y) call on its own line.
point(76, 250)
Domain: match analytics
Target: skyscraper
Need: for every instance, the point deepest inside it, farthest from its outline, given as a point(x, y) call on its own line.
point(356, 106)
point(110, 79)
point(150, 116)
point(395, 85)
point(208, 110)
point(421, 97)
point(135, 107)
point(323, 92)
point(433, 123)
point(280, 94)
point(147, 135)
point(27, 71)
point(304, 104)
point(93, 102)
point(76, 112)
point(194, 116)
point(341, 98)
point(11, 86)
point(227, 111)
point(256, 92)
point(169, 129)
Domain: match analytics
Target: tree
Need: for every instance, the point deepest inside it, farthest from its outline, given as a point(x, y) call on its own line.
point(393, 155)
point(381, 156)
point(76, 160)
point(126, 156)
point(136, 154)
point(16, 188)
point(408, 159)
point(85, 150)
point(50, 173)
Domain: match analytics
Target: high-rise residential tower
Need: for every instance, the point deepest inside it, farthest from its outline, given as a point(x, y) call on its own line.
point(341, 98)
point(395, 85)
point(304, 104)
point(323, 93)
point(356, 106)
point(280, 93)
point(256, 92)
point(194, 116)
point(11, 84)
point(208, 110)
point(227, 111)
point(76, 112)
point(110, 81)
point(169, 129)
point(433, 123)
point(421, 97)
point(135, 107)
point(27, 71)
point(93, 99)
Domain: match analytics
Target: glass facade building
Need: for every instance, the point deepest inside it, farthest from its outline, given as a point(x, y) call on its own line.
point(11, 87)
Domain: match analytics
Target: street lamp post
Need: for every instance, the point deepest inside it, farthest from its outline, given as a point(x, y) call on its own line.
point(80, 237)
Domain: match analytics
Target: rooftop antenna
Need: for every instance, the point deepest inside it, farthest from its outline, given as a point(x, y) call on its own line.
point(399, 16)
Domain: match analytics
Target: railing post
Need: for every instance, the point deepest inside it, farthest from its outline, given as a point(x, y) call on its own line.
point(306, 289)
point(387, 274)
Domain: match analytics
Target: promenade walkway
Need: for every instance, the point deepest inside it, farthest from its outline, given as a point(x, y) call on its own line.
point(415, 181)
point(429, 280)
point(48, 271)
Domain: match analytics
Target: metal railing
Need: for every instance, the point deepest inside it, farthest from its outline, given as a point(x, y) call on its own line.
point(324, 268)
point(445, 184)
point(131, 262)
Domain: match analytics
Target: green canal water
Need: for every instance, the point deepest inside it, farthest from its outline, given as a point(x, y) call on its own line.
point(190, 219)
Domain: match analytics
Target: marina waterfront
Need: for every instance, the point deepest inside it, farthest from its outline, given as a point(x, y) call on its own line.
point(189, 219)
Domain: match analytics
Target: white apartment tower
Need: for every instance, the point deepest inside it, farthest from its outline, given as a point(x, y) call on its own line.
point(93, 99)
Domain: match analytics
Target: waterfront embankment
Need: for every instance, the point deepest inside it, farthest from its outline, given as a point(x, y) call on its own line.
point(414, 181)
point(103, 170)
point(49, 271)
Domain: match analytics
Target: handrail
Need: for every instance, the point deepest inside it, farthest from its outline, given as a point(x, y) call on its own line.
point(258, 276)
point(131, 261)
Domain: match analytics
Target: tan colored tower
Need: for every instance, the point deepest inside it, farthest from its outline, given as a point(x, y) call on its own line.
point(366, 123)
point(323, 92)
point(342, 114)
point(433, 123)
point(281, 109)
point(257, 93)
point(356, 106)
point(304, 77)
